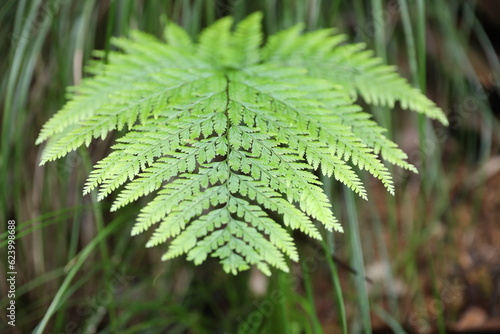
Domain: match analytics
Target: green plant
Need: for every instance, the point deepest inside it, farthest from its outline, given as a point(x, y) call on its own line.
point(229, 132)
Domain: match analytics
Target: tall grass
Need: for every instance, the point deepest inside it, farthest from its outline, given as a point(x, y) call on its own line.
point(79, 269)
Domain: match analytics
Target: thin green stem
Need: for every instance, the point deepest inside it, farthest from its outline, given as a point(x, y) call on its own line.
point(357, 260)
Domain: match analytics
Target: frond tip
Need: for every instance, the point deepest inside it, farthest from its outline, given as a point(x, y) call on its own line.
point(225, 135)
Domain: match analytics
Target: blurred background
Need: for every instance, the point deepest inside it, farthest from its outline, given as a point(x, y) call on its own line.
point(426, 260)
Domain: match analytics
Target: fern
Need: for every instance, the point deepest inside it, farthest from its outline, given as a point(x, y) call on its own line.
point(227, 133)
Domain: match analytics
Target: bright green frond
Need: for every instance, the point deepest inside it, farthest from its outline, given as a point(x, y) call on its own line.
point(178, 37)
point(223, 136)
point(350, 66)
point(247, 40)
point(215, 44)
point(120, 75)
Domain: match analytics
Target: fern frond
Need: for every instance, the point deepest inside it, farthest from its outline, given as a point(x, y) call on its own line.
point(351, 66)
point(215, 44)
point(247, 40)
point(223, 136)
point(303, 103)
point(121, 74)
point(178, 37)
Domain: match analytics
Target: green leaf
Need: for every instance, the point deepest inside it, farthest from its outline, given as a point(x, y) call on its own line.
point(223, 136)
